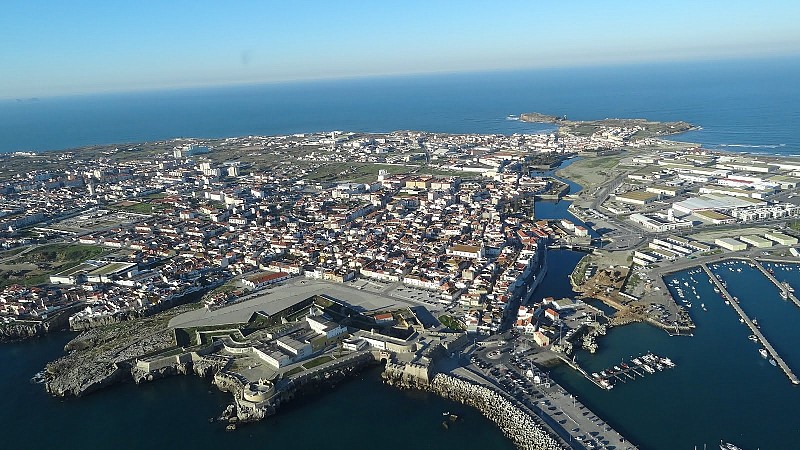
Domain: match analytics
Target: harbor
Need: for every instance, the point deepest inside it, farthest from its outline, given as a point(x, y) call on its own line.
point(750, 324)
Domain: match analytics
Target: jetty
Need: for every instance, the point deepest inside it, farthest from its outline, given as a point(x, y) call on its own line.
point(583, 372)
point(637, 368)
point(770, 349)
point(785, 292)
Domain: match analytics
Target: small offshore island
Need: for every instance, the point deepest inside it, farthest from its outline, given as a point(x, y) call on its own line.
point(277, 265)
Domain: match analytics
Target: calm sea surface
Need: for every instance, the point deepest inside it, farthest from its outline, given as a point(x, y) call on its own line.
point(174, 413)
point(721, 388)
point(751, 105)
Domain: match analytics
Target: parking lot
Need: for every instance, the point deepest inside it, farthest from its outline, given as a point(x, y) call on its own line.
point(511, 367)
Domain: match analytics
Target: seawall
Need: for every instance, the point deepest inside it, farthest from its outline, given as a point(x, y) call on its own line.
point(519, 426)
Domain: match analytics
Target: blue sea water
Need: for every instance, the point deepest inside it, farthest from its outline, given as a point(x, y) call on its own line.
point(742, 105)
point(721, 389)
point(174, 412)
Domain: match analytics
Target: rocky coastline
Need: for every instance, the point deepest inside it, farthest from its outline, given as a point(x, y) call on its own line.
point(100, 357)
point(24, 329)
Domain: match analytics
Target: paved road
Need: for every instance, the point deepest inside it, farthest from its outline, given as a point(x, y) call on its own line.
point(560, 410)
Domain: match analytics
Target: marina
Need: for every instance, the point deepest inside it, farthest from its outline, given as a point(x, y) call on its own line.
point(638, 367)
point(734, 302)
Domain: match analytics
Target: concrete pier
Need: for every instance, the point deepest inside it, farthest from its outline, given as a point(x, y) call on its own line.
point(775, 281)
point(771, 350)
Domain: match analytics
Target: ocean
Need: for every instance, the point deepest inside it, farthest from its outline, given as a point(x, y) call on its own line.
point(174, 413)
point(721, 388)
point(742, 105)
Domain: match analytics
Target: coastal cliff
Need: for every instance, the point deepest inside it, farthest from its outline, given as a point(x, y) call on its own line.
point(103, 356)
point(19, 330)
point(22, 330)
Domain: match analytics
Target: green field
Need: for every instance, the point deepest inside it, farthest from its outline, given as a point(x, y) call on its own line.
point(35, 266)
point(139, 208)
point(318, 361)
point(62, 253)
point(297, 369)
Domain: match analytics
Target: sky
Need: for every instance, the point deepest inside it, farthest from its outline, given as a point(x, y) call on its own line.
point(50, 48)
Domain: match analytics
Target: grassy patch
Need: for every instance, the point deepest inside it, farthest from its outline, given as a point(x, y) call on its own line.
point(451, 322)
point(29, 280)
point(795, 225)
point(297, 369)
point(606, 162)
point(62, 253)
point(318, 361)
point(579, 274)
point(48, 259)
point(12, 252)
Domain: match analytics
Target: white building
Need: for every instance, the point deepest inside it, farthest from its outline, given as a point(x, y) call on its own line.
point(731, 244)
point(756, 241)
point(655, 223)
point(325, 327)
point(295, 348)
point(780, 238)
point(466, 251)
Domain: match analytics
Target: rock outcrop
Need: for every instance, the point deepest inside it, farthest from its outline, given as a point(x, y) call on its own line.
point(103, 356)
point(18, 330)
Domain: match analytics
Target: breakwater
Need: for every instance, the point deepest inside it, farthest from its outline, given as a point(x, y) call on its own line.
point(519, 426)
point(515, 423)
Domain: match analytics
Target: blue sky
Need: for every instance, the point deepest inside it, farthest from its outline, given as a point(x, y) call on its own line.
point(59, 47)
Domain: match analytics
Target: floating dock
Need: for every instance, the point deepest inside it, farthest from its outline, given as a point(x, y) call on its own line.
point(770, 349)
point(638, 367)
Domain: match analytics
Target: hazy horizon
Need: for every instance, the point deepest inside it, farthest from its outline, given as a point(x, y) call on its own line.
point(789, 58)
point(90, 46)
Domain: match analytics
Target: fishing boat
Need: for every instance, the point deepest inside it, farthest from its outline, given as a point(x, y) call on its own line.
point(763, 352)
